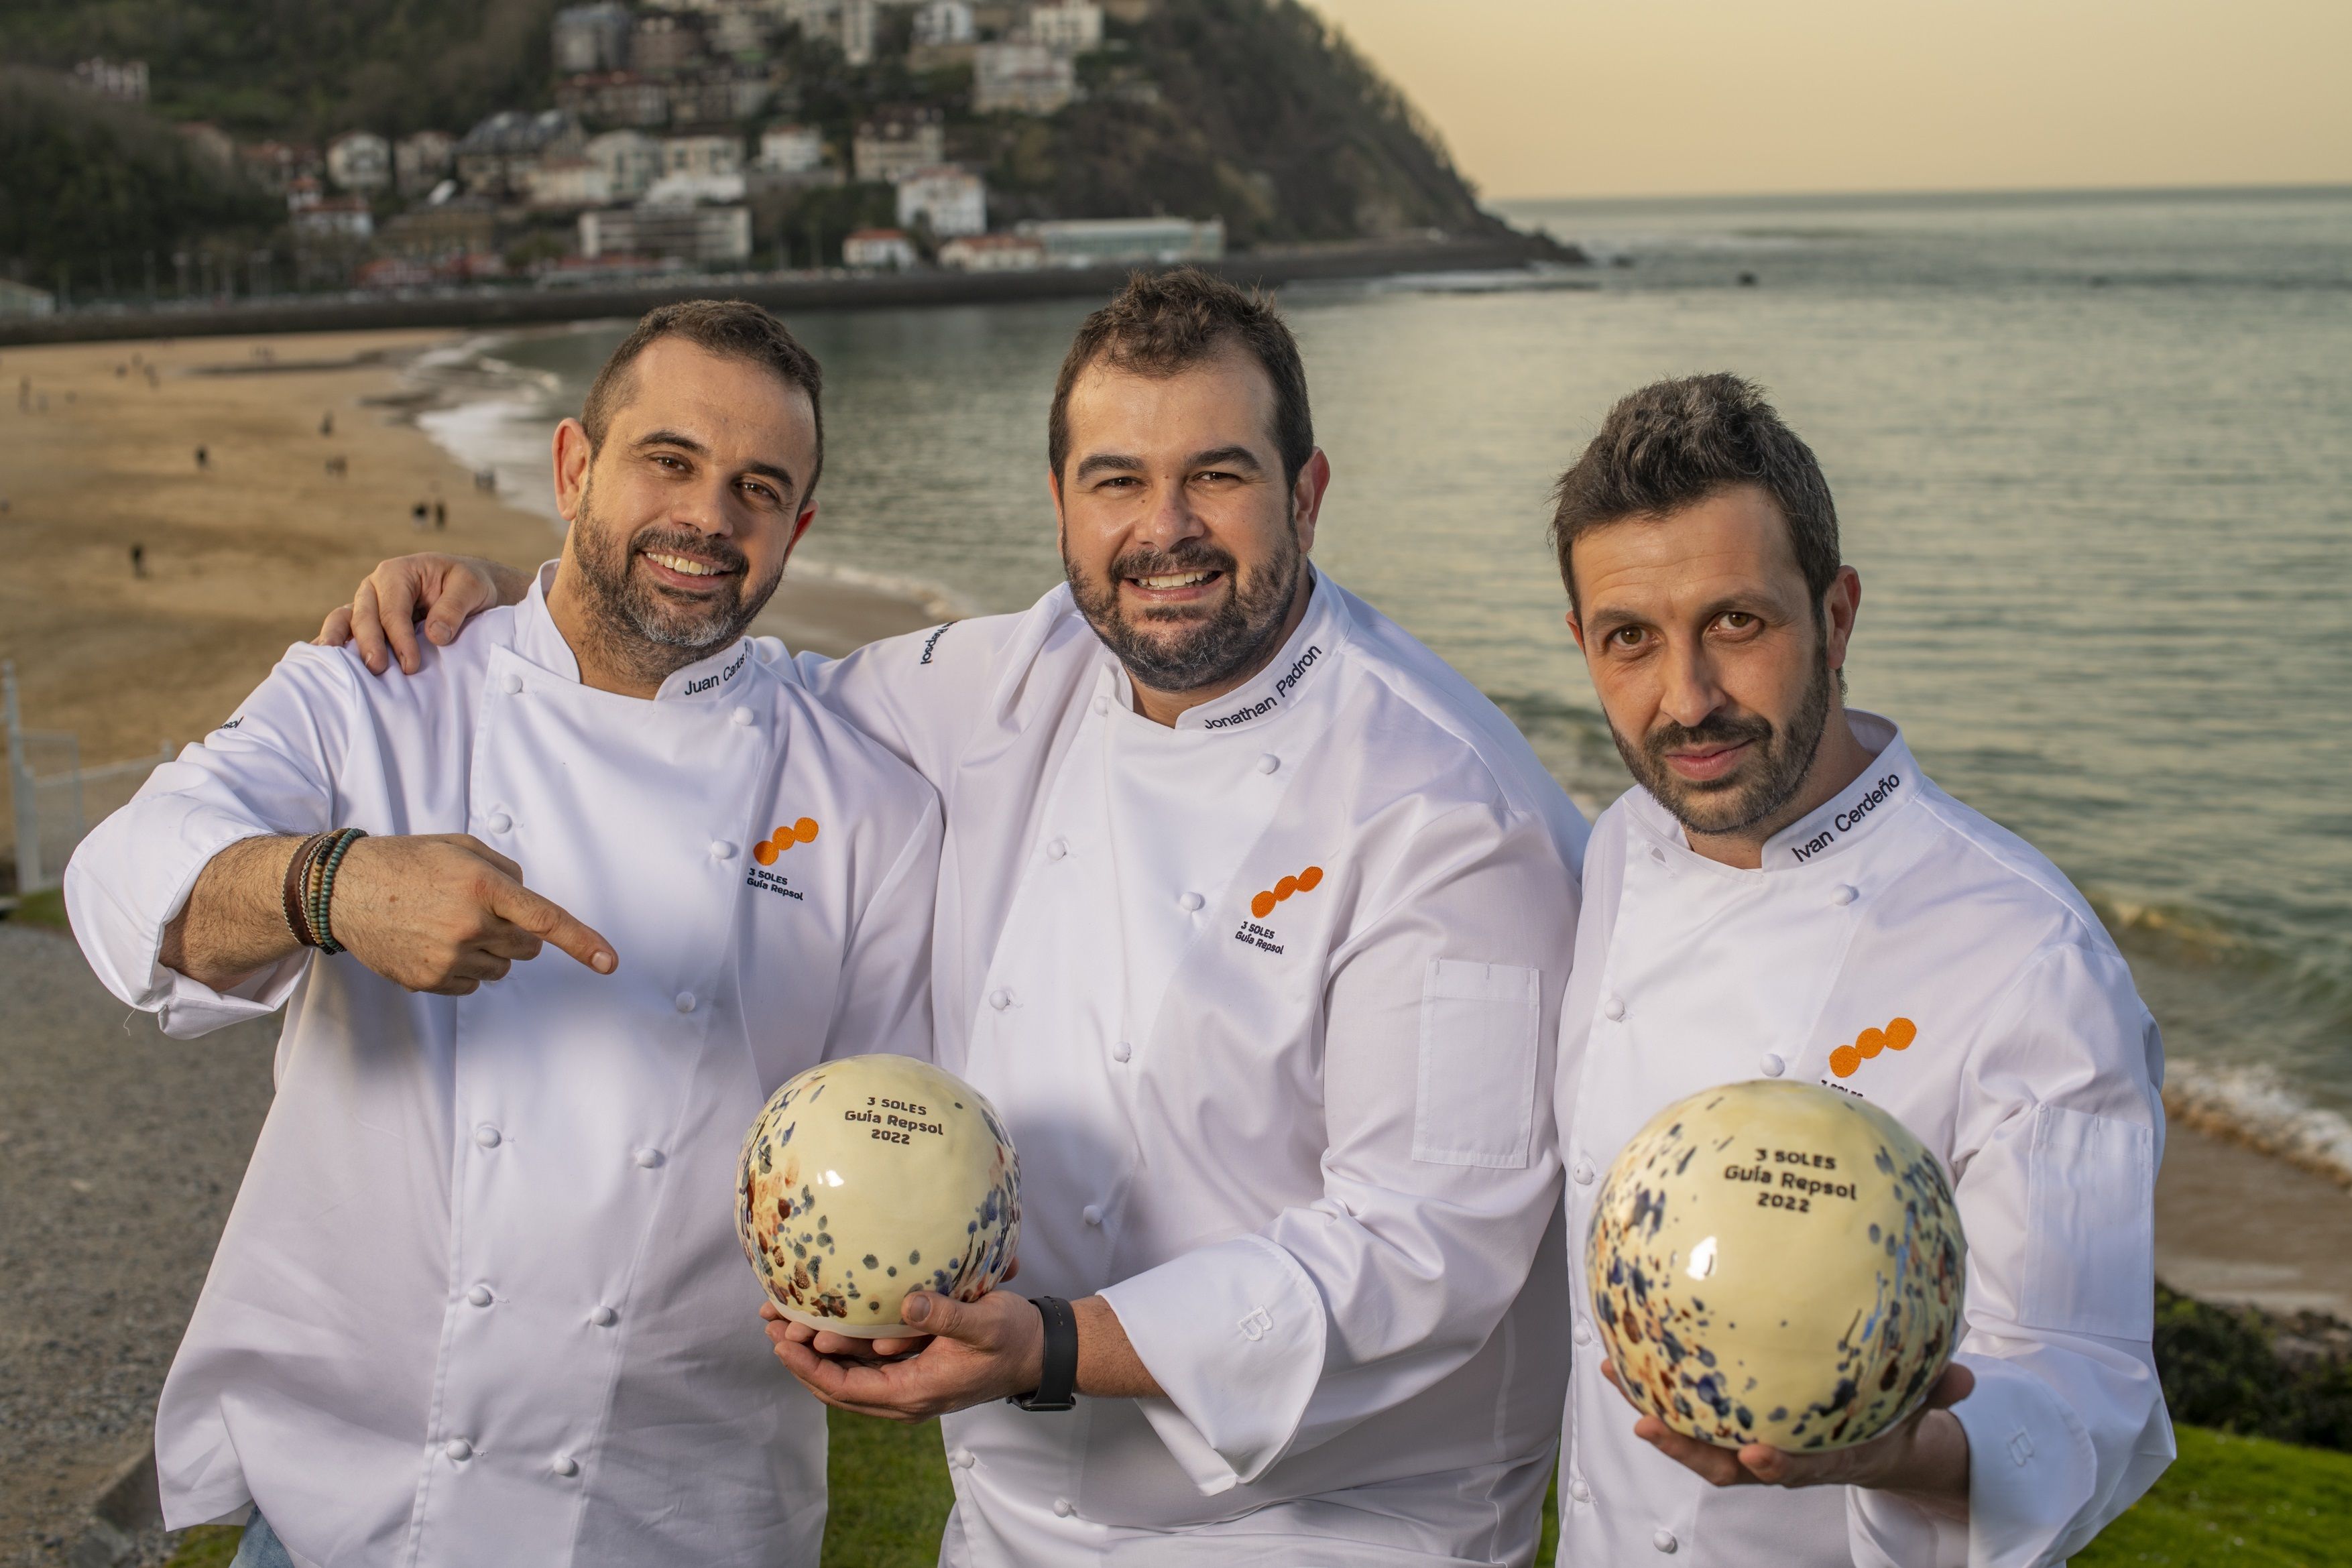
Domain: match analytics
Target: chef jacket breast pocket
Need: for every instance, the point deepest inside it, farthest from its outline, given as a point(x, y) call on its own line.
point(1475, 1101)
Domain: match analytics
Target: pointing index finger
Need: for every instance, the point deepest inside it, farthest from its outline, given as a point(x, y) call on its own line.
point(551, 922)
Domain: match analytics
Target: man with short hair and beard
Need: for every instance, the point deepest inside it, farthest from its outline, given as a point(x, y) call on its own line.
point(1253, 919)
point(480, 1300)
point(1785, 895)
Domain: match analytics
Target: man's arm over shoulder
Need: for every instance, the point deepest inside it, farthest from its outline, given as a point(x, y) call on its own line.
point(918, 693)
point(270, 769)
point(2057, 1143)
point(1442, 1170)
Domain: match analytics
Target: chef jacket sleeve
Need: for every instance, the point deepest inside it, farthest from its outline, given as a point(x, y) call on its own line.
point(905, 694)
point(885, 978)
point(1440, 1175)
point(2057, 1150)
point(269, 770)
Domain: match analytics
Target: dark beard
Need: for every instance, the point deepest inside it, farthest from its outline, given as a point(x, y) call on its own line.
point(640, 627)
point(1235, 639)
point(1756, 789)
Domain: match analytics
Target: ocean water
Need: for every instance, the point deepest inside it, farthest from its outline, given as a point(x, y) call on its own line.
point(2093, 457)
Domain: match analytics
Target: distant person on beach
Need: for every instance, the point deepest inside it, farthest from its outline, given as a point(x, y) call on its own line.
point(1256, 932)
point(203, 458)
point(137, 554)
point(480, 1298)
point(440, 514)
point(327, 424)
point(1784, 894)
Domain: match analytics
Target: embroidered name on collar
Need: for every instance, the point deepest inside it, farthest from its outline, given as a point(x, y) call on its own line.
point(1266, 705)
point(1849, 816)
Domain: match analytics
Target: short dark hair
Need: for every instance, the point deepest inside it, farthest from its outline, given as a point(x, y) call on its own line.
point(734, 328)
point(1166, 322)
point(1675, 443)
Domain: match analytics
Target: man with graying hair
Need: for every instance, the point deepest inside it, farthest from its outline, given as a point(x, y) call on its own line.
point(1253, 924)
point(1785, 895)
point(480, 1300)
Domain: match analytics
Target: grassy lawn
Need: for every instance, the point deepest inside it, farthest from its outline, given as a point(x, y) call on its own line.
point(2243, 1501)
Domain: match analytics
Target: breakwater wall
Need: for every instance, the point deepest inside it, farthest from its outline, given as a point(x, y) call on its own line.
point(784, 293)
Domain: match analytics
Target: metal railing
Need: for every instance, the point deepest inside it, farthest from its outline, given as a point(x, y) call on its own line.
point(55, 798)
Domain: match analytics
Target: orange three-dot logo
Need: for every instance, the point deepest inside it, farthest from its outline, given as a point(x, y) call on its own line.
point(1896, 1036)
point(1305, 882)
point(800, 833)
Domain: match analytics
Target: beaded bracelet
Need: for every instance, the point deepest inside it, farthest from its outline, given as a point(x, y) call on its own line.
point(330, 861)
point(298, 876)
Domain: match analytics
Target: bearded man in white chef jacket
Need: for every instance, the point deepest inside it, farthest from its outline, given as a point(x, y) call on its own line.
point(479, 1301)
point(1785, 895)
point(1253, 924)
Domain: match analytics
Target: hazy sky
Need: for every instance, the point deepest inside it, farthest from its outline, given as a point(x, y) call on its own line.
point(1540, 98)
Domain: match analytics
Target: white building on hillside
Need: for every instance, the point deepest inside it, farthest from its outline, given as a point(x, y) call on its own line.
point(587, 38)
point(567, 184)
point(943, 24)
point(360, 160)
point(884, 250)
point(703, 156)
point(1073, 27)
point(631, 160)
point(421, 161)
point(951, 201)
point(1022, 77)
point(792, 149)
point(898, 142)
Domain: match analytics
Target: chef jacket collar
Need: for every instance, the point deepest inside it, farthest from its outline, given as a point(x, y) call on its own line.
point(538, 640)
point(1302, 665)
point(1890, 783)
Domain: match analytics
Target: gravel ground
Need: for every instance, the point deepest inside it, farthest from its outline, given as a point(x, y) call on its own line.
point(119, 1153)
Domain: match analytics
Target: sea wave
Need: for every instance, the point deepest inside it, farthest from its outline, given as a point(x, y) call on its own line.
point(2250, 1104)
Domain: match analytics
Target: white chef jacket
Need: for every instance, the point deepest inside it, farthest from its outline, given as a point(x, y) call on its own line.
point(2033, 1076)
point(1299, 1144)
point(480, 1301)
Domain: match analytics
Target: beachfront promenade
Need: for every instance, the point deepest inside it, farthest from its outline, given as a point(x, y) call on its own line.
point(784, 293)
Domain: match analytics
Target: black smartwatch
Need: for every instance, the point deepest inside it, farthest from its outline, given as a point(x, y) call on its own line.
point(1057, 1378)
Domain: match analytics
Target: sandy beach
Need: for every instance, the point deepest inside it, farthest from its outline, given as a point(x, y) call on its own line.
point(240, 557)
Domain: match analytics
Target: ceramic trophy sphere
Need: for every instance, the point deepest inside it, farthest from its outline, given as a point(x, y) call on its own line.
point(1776, 1263)
point(871, 1177)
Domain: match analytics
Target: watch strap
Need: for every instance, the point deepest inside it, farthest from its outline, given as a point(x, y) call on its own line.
point(1057, 1377)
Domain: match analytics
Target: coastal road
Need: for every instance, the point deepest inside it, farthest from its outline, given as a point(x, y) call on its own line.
point(119, 1153)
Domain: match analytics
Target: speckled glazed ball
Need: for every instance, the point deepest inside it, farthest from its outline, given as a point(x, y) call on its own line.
point(871, 1177)
point(1776, 1263)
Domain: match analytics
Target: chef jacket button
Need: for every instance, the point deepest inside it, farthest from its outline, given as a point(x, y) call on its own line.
point(1191, 902)
point(500, 823)
point(512, 683)
point(1614, 1009)
point(1000, 999)
point(1583, 1173)
point(1121, 1051)
point(740, 717)
point(962, 1458)
point(1583, 1332)
point(566, 1466)
point(1091, 1214)
point(487, 1136)
point(479, 1295)
point(1843, 895)
point(1058, 849)
point(648, 1158)
point(603, 1317)
point(685, 1002)
point(1772, 1065)
point(1268, 763)
point(721, 850)
point(1663, 1539)
point(1102, 704)
point(1063, 1509)
point(458, 1448)
point(1579, 1491)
